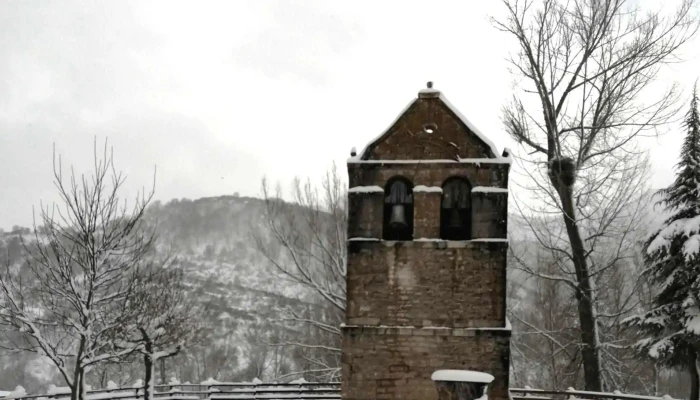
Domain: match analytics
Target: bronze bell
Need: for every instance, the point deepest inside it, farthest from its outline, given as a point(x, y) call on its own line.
point(398, 217)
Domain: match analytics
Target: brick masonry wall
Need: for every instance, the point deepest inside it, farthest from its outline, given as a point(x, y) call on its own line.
point(428, 174)
point(426, 215)
point(445, 284)
point(397, 363)
point(407, 139)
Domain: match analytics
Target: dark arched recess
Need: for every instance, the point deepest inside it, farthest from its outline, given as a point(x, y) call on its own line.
point(398, 210)
point(455, 210)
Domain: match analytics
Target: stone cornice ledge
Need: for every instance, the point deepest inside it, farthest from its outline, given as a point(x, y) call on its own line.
point(428, 242)
point(430, 330)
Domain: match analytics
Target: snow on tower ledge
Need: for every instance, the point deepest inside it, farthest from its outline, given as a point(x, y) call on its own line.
point(431, 93)
point(366, 189)
point(427, 189)
point(488, 189)
point(461, 375)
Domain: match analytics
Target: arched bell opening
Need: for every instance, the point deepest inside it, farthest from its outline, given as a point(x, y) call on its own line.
point(456, 210)
point(398, 210)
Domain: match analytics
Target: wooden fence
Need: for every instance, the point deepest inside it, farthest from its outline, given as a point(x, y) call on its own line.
point(538, 394)
point(299, 391)
point(218, 391)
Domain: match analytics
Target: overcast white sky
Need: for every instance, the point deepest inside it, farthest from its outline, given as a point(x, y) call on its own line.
point(218, 94)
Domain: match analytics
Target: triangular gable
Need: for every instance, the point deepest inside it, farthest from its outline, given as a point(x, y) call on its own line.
point(432, 105)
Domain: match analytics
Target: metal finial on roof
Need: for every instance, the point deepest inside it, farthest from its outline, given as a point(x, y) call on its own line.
point(430, 84)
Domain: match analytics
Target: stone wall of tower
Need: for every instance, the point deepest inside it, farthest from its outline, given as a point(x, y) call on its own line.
point(426, 284)
point(396, 363)
point(417, 306)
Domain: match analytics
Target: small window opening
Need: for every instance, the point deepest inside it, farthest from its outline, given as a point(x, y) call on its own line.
point(429, 128)
point(455, 210)
point(398, 210)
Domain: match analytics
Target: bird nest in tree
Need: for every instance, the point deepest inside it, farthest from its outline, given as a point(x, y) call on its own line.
point(563, 169)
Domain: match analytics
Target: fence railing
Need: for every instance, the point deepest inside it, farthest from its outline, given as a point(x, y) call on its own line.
point(539, 394)
point(218, 391)
point(296, 391)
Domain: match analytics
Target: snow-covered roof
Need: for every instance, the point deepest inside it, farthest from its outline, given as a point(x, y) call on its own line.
point(434, 93)
point(459, 375)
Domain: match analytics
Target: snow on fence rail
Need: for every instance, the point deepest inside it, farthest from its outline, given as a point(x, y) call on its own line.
point(296, 391)
point(539, 394)
point(208, 390)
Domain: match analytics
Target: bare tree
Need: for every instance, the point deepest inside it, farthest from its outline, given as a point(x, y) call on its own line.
point(259, 352)
point(611, 202)
point(543, 315)
point(120, 373)
point(81, 262)
point(162, 319)
point(305, 240)
point(587, 64)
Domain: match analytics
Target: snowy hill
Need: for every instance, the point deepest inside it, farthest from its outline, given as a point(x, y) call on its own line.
point(210, 239)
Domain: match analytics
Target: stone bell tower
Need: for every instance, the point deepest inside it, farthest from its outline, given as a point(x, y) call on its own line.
point(426, 271)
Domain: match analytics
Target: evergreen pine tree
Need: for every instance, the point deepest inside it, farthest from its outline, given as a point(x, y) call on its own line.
point(671, 328)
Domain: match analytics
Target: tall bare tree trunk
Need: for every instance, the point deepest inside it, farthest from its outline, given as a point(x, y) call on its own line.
point(149, 366)
point(148, 384)
point(694, 377)
point(75, 388)
point(584, 292)
point(78, 391)
point(74, 393)
point(78, 374)
point(162, 371)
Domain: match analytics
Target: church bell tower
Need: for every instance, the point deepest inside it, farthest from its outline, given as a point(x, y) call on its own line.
point(426, 268)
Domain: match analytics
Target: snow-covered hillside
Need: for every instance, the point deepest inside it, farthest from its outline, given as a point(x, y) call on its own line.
point(210, 239)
